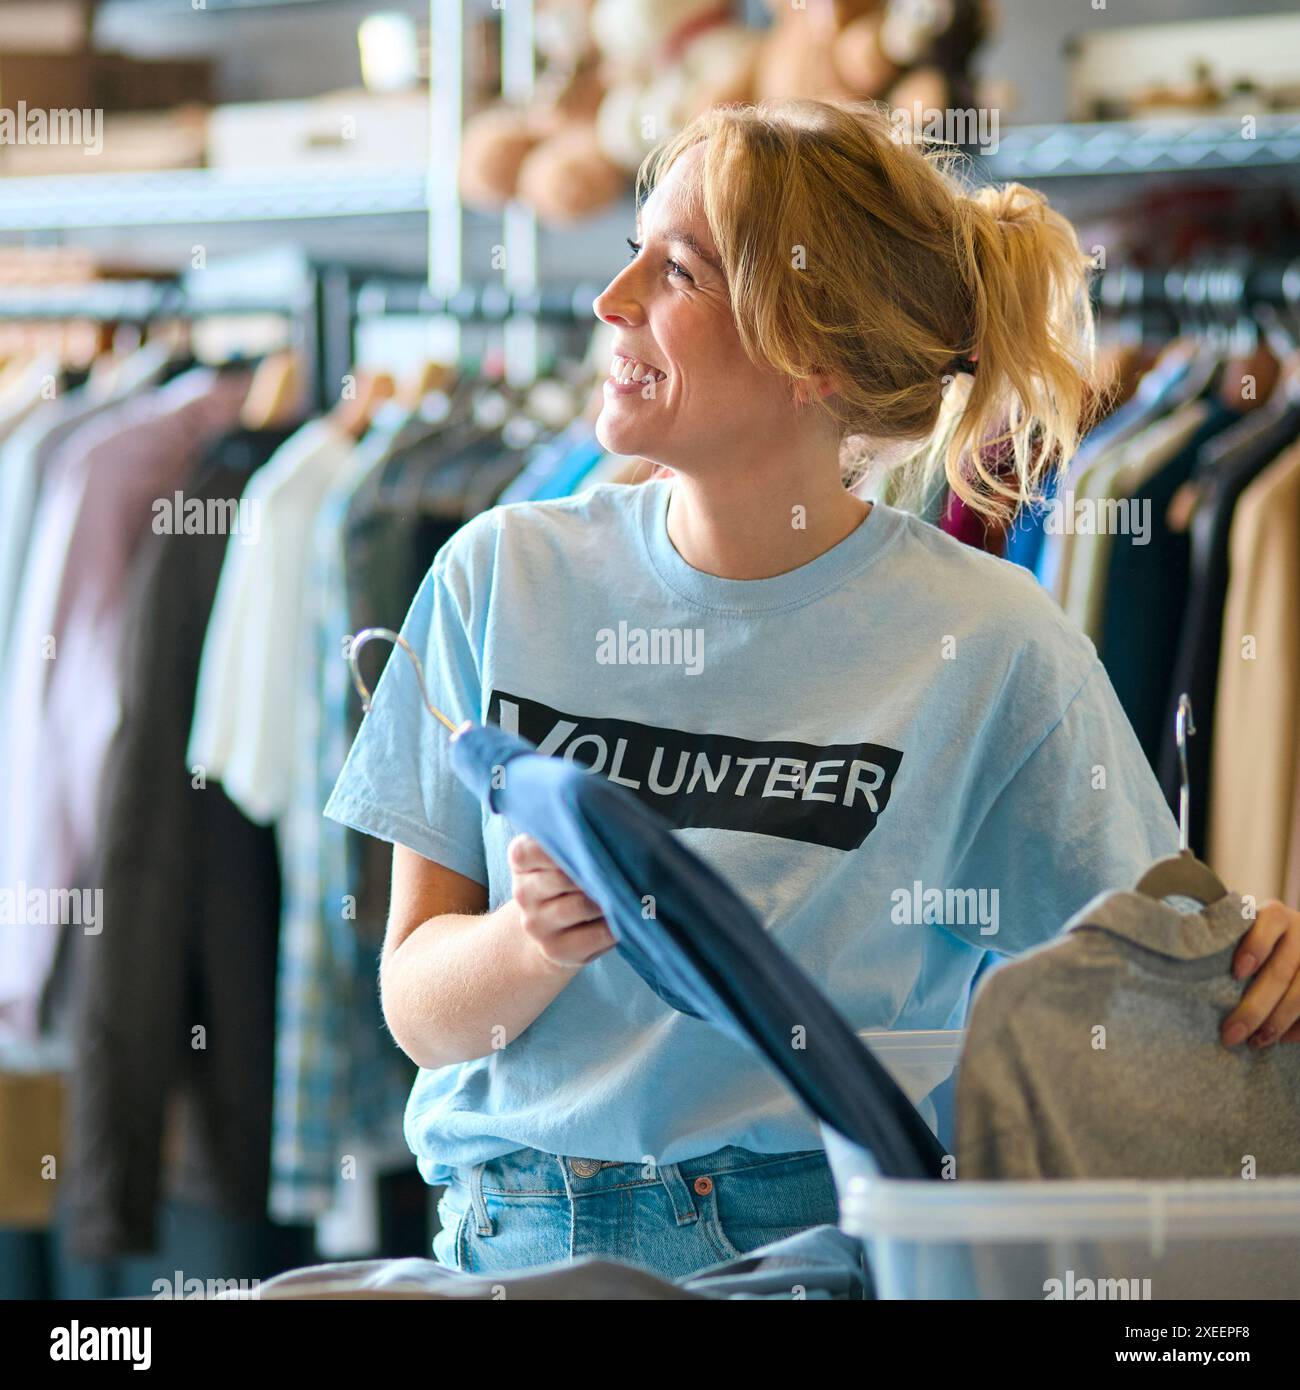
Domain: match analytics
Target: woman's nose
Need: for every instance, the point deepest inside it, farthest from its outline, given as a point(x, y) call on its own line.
point(615, 305)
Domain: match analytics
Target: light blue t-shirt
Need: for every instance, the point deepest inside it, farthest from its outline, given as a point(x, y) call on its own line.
point(852, 744)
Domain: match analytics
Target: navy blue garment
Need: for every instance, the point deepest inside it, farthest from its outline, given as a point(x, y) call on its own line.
point(704, 952)
point(1146, 596)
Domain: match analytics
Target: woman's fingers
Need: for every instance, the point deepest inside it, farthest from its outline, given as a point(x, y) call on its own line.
point(577, 945)
point(1283, 1024)
point(1256, 944)
point(525, 855)
point(1270, 1006)
point(569, 909)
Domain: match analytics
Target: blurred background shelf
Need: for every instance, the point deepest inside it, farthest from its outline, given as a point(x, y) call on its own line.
point(1173, 144)
point(193, 196)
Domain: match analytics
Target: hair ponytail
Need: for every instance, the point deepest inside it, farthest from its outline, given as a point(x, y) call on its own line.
point(1033, 346)
point(902, 273)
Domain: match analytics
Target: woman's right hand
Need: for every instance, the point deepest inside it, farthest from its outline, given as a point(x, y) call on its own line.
point(559, 920)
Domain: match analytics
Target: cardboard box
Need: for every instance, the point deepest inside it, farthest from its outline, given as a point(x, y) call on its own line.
point(1121, 72)
point(45, 26)
point(132, 143)
point(100, 81)
point(47, 81)
point(346, 129)
point(31, 1138)
point(146, 84)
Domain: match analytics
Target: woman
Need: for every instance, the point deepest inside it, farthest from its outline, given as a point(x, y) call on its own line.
point(899, 709)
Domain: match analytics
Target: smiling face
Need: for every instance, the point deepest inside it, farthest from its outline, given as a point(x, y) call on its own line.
point(671, 310)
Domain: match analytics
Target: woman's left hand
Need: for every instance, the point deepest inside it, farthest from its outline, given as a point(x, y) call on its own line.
point(1270, 1008)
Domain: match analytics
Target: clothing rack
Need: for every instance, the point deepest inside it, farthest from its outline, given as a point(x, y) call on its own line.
point(477, 303)
point(140, 302)
point(1214, 293)
point(326, 305)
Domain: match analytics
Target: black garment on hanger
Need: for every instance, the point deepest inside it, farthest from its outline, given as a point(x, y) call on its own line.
point(1223, 476)
point(191, 920)
point(398, 520)
point(1146, 592)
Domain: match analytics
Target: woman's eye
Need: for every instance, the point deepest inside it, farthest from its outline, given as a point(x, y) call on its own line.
point(674, 266)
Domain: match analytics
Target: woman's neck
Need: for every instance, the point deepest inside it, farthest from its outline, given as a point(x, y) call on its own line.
point(766, 527)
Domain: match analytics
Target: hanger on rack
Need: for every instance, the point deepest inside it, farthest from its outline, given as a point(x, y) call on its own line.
point(369, 634)
point(428, 377)
point(1182, 875)
point(275, 394)
point(353, 413)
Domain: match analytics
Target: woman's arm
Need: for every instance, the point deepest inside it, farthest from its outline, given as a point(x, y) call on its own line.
point(458, 982)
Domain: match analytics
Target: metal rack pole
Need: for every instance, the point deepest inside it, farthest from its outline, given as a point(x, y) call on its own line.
point(519, 223)
point(447, 69)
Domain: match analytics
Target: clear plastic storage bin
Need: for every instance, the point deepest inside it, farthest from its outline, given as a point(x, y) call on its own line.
point(1225, 1238)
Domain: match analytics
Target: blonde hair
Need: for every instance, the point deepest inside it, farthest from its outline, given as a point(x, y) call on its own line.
point(853, 253)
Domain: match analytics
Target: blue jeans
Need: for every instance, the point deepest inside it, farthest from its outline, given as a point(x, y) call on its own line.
point(531, 1208)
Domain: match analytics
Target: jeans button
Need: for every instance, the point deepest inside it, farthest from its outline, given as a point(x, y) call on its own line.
point(703, 1186)
point(585, 1167)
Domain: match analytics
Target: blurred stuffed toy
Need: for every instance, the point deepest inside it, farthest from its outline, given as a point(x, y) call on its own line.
point(618, 76)
point(664, 61)
point(895, 51)
point(545, 154)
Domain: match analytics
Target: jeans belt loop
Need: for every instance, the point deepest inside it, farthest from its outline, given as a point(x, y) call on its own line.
point(679, 1194)
point(483, 1222)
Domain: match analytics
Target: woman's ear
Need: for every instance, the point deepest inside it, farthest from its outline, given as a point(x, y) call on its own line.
point(817, 387)
point(826, 385)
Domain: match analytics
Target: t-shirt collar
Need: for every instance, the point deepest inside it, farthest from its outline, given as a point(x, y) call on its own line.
point(796, 587)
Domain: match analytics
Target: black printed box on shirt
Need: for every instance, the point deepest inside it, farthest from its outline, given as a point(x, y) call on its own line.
point(824, 794)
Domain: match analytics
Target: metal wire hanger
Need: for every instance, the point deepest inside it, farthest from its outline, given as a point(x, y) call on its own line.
point(368, 635)
point(1182, 875)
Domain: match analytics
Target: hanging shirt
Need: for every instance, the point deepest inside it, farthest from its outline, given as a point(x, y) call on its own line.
point(1256, 746)
point(62, 699)
point(847, 744)
point(247, 708)
point(33, 443)
point(1099, 1056)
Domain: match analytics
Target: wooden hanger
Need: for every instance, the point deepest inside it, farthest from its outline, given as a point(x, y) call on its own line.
point(275, 394)
point(427, 378)
point(1182, 875)
point(353, 415)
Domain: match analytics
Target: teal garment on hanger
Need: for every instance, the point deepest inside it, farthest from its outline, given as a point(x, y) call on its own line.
point(569, 476)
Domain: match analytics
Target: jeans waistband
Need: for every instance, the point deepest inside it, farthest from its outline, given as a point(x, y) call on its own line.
point(562, 1175)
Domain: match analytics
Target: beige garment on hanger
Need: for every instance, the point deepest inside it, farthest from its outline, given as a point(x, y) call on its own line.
point(1256, 739)
point(1291, 895)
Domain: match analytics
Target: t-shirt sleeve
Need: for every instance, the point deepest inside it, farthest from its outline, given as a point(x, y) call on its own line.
point(397, 782)
point(1083, 813)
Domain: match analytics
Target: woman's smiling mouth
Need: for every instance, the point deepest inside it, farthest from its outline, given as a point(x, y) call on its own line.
point(629, 371)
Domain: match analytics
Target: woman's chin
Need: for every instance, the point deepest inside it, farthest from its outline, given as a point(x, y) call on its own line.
point(617, 436)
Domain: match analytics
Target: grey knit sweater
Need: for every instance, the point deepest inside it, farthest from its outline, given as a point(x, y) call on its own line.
point(1098, 1056)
